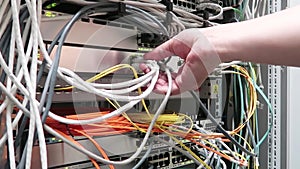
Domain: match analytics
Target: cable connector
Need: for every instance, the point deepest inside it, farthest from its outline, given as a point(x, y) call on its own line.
point(257, 161)
point(243, 163)
point(168, 4)
point(162, 66)
point(205, 18)
point(169, 8)
point(240, 162)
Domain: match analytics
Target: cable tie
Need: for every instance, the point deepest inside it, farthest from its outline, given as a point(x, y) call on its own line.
point(169, 9)
point(168, 4)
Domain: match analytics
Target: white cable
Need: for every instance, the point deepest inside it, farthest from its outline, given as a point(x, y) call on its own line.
point(9, 108)
point(3, 8)
point(186, 153)
point(9, 131)
point(16, 82)
point(26, 30)
point(115, 91)
point(130, 89)
point(30, 140)
point(91, 89)
point(223, 66)
point(139, 150)
point(4, 24)
point(206, 160)
point(213, 6)
point(114, 113)
point(33, 106)
point(227, 64)
point(77, 82)
point(223, 164)
point(113, 85)
point(97, 119)
point(16, 119)
point(227, 148)
point(31, 76)
point(34, 33)
point(160, 6)
point(33, 70)
point(20, 47)
point(176, 19)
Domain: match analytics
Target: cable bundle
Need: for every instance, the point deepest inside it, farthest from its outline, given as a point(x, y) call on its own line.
point(21, 69)
point(23, 64)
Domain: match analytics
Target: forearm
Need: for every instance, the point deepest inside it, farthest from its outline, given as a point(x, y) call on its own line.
point(273, 39)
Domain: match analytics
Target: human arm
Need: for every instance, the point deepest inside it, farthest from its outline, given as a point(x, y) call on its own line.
point(272, 39)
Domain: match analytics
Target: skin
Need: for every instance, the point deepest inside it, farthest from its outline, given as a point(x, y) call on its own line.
point(272, 39)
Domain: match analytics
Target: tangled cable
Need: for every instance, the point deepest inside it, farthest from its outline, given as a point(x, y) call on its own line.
point(21, 45)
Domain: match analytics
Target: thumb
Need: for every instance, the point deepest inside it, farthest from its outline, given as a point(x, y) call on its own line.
point(175, 46)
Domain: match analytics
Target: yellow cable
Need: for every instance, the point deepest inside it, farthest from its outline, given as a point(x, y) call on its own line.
point(125, 115)
point(190, 151)
point(162, 119)
point(99, 75)
point(251, 149)
point(253, 97)
point(239, 155)
point(191, 120)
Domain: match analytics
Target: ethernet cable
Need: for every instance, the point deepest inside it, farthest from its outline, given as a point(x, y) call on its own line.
point(218, 140)
point(139, 150)
point(219, 127)
point(100, 149)
point(26, 73)
point(188, 155)
point(146, 155)
point(116, 112)
point(212, 5)
point(80, 82)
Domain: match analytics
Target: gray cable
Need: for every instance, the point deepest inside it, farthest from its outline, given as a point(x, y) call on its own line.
point(139, 150)
point(152, 17)
point(51, 79)
point(179, 149)
point(145, 155)
point(226, 134)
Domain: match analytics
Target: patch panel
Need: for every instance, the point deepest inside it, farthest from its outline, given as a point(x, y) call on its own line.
point(188, 5)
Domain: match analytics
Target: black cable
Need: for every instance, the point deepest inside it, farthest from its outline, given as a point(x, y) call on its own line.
point(219, 127)
point(228, 78)
point(237, 102)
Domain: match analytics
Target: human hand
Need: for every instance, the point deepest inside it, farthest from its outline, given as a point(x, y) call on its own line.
point(199, 56)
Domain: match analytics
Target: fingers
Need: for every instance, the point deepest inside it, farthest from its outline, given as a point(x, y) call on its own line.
point(162, 83)
point(144, 68)
point(162, 89)
point(175, 46)
point(200, 60)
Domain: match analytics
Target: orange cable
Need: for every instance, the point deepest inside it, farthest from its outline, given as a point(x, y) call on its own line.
point(100, 149)
point(75, 142)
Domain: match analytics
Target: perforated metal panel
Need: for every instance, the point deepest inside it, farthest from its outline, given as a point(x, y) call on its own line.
point(274, 95)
